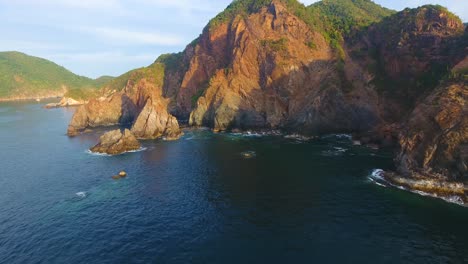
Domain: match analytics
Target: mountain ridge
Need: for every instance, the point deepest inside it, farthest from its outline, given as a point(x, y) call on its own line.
point(29, 77)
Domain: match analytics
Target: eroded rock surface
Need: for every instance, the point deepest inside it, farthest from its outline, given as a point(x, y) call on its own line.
point(435, 140)
point(154, 122)
point(115, 142)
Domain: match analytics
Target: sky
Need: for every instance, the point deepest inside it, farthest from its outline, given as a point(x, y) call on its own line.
point(110, 37)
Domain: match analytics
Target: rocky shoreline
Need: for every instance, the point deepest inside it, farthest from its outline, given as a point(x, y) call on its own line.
point(398, 83)
point(65, 102)
point(451, 191)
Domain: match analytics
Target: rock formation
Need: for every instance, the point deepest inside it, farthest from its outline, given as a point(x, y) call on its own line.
point(271, 70)
point(283, 66)
point(117, 109)
point(115, 142)
point(154, 122)
point(65, 102)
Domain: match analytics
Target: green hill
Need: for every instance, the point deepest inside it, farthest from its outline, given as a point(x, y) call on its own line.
point(348, 15)
point(332, 18)
point(23, 76)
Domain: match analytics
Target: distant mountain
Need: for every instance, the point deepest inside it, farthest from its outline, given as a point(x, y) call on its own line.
point(24, 77)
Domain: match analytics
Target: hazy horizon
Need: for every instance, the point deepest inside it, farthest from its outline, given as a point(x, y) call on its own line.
point(111, 37)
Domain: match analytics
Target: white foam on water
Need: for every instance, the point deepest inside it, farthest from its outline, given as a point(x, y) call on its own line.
point(455, 199)
point(338, 136)
point(377, 174)
point(334, 152)
point(255, 133)
point(108, 155)
point(298, 137)
point(81, 194)
point(377, 178)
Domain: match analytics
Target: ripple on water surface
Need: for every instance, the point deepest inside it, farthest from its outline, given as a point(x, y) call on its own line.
point(196, 200)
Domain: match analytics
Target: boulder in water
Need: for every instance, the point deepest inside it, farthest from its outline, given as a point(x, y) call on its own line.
point(115, 142)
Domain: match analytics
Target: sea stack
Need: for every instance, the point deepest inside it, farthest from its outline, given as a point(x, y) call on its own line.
point(115, 142)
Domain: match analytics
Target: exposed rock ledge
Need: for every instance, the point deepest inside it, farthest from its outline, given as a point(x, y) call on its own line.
point(65, 102)
point(114, 110)
point(438, 187)
point(115, 142)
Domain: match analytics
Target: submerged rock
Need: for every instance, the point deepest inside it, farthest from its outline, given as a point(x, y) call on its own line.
point(115, 142)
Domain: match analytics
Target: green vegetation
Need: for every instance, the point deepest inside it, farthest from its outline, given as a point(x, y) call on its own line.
point(197, 96)
point(459, 74)
point(311, 45)
point(204, 86)
point(82, 93)
point(154, 73)
point(26, 76)
point(103, 80)
point(403, 20)
point(345, 16)
point(331, 18)
point(280, 45)
point(404, 27)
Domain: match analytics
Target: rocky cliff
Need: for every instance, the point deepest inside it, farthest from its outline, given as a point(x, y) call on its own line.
point(278, 72)
point(133, 104)
point(276, 64)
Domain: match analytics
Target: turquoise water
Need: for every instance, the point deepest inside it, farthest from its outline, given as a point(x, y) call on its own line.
point(198, 200)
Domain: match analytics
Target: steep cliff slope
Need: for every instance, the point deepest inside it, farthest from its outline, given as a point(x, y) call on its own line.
point(408, 53)
point(335, 66)
point(259, 64)
point(126, 97)
point(277, 68)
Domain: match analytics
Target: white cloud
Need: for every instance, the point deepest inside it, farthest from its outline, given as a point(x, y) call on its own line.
point(96, 57)
point(30, 46)
point(186, 5)
point(308, 2)
point(86, 4)
point(126, 37)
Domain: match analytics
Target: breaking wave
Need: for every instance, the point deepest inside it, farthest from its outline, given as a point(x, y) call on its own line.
point(108, 155)
point(377, 178)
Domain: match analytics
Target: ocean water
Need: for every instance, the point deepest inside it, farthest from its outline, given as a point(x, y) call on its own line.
point(201, 199)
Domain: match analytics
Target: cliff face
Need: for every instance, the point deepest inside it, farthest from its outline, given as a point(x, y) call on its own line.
point(408, 53)
point(264, 69)
point(434, 142)
point(128, 105)
point(272, 66)
point(271, 70)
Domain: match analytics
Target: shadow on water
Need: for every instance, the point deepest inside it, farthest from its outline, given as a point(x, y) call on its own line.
point(200, 200)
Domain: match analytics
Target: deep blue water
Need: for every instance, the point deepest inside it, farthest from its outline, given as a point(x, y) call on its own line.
point(197, 200)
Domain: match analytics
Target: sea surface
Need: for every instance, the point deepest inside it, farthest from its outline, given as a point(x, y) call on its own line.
point(200, 200)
